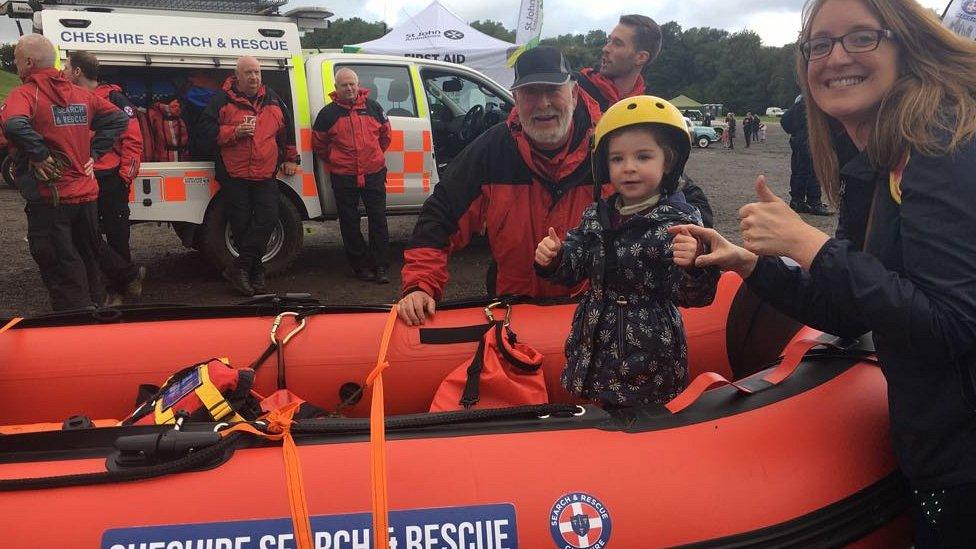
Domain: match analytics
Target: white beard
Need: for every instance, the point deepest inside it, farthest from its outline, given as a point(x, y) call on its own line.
point(549, 137)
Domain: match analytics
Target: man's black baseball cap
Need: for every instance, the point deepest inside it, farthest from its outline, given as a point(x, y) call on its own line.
point(541, 65)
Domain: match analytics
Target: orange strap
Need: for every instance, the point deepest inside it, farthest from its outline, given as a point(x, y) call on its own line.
point(377, 440)
point(702, 383)
point(279, 428)
point(791, 360)
point(13, 322)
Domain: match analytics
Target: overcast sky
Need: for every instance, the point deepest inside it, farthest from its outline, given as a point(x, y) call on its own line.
point(776, 21)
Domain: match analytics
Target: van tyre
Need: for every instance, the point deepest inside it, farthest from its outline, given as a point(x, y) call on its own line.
point(283, 246)
point(703, 142)
point(7, 169)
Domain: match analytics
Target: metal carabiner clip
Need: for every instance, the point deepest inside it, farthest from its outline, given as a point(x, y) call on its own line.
point(277, 323)
point(491, 316)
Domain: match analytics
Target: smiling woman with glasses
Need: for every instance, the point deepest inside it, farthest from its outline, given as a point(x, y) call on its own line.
point(892, 119)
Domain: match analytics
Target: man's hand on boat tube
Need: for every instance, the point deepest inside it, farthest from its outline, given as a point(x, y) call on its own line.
point(771, 227)
point(415, 307)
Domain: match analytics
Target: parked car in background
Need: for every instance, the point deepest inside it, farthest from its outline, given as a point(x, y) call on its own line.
point(774, 111)
point(703, 136)
point(694, 114)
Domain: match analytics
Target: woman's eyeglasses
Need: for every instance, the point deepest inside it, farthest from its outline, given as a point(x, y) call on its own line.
point(858, 41)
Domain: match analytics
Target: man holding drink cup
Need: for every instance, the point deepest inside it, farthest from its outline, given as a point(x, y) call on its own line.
point(255, 134)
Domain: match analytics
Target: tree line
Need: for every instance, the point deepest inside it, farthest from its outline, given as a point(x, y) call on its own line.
point(706, 64)
point(709, 65)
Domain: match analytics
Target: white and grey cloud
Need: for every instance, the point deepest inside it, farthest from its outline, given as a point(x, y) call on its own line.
point(776, 21)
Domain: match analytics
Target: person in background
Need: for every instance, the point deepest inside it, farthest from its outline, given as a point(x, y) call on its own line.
point(114, 171)
point(351, 135)
point(804, 187)
point(729, 133)
point(61, 130)
point(255, 134)
point(747, 123)
point(631, 47)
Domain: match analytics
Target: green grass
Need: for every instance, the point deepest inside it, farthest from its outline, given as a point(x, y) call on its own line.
point(8, 81)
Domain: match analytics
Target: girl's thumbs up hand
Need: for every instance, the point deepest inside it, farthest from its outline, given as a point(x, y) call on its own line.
point(548, 248)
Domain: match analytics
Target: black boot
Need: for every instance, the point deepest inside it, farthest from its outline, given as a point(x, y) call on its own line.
point(381, 276)
point(799, 206)
point(239, 280)
point(367, 275)
point(259, 280)
point(819, 209)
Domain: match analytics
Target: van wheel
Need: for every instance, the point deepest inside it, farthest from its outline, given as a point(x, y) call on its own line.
point(703, 142)
point(7, 169)
point(286, 240)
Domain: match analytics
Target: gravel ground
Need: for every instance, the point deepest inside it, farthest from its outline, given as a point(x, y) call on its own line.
point(179, 275)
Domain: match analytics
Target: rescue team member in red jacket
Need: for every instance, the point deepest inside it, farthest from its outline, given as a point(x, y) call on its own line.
point(50, 120)
point(631, 46)
point(114, 171)
point(514, 182)
point(255, 134)
point(350, 135)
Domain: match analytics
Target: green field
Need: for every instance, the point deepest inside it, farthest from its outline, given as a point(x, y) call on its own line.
point(7, 82)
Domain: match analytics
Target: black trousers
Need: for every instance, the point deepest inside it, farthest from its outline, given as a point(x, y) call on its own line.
point(113, 211)
point(804, 186)
point(116, 271)
point(252, 209)
point(64, 242)
point(114, 257)
point(373, 196)
point(945, 519)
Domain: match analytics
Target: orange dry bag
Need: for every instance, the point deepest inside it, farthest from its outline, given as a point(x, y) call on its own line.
point(502, 373)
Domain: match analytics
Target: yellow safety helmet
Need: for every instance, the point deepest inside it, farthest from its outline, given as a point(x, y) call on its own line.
point(633, 111)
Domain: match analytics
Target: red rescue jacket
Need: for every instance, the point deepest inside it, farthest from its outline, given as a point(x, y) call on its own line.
point(255, 157)
point(352, 137)
point(126, 155)
point(49, 113)
point(500, 186)
point(170, 137)
point(601, 89)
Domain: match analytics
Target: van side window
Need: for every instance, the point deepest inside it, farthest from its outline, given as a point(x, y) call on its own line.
point(459, 93)
point(388, 85)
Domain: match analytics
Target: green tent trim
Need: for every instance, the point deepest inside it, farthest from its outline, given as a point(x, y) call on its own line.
point(685, 102)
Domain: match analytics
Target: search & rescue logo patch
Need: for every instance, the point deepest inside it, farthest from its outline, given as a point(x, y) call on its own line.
point(579, 521)
point(75, 114)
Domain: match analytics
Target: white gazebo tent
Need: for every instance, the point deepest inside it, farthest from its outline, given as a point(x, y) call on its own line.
point(437, 33)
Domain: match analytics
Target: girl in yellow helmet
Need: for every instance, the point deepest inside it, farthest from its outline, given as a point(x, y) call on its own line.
point(627, 345)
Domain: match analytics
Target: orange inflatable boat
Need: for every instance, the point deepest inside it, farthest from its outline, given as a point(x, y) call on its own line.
point(794, 454)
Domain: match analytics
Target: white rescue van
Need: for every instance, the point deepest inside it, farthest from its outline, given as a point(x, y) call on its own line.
point(435, 108)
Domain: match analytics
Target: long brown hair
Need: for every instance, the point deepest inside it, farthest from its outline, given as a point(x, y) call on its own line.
point(932, 98)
